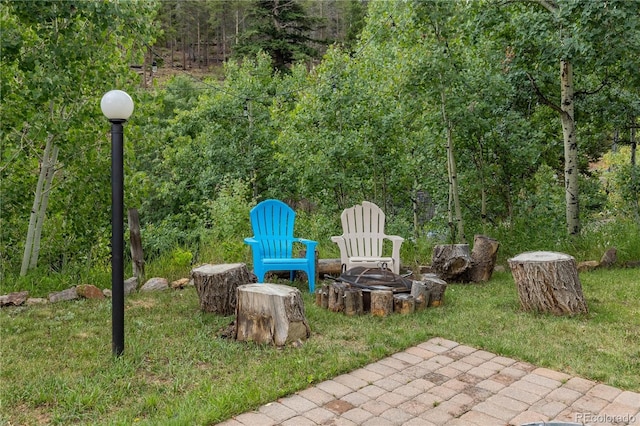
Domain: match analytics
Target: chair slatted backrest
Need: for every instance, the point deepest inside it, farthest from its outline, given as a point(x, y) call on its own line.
point(363, 229)
point(272, 222)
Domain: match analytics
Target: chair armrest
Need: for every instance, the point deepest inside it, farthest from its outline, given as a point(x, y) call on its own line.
point(395, 249)
point(394, 238)
point(309, 243)
point(342, 245)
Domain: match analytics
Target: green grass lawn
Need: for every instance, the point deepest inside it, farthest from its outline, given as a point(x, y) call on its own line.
point(57, 367)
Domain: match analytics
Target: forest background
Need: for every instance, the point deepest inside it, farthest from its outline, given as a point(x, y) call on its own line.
point(512, 119)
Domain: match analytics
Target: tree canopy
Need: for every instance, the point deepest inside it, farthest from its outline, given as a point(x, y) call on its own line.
point(443, 113)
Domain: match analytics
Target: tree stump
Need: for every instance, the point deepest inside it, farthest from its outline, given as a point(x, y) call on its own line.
point(420, 293)
point(404, 303)
point(353, 302)
point(483, 259)
point(548, 282)
point(451, 261)
point(322, 296)
point(336, 297)
point(216, 286)
point(436, 288)
point(270, 313)
point(381, 303)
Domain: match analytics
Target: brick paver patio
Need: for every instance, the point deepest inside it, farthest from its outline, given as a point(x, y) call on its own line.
point(441, 382)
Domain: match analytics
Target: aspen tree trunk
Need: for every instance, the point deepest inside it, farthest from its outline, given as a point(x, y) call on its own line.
point(453, 177)
point(634, 175)
point(570, 148)
point(28, 247)
point(415, 210)
point(50, 171)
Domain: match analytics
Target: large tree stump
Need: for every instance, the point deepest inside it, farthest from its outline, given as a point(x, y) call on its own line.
point(216, 286)
point(548, 282)
point(483, 259)
point(451, 261)
point(270, 313)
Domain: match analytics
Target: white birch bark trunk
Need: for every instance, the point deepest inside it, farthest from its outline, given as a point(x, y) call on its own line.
point(28, 247)
point(453, 177)
point(50, 167)
point(570, 148)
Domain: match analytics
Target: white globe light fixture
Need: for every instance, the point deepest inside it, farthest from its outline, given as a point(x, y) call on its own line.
point(117, 106)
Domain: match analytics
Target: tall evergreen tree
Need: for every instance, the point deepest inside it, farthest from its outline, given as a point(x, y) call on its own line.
point(280, 28)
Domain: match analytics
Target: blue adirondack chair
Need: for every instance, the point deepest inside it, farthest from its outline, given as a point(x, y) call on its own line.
point(272, 242)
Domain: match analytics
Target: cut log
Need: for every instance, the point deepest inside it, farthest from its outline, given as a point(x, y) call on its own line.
point(336, 297)
point(381, 303)
point(436, 288)
point(353, 302)
point(609, 258)
point(329, 267)
point(420, 293)
point(483, 259)
point(404, 303)
point(216, 286)
point(451, 261)
point(270, 314)
point(548, 282)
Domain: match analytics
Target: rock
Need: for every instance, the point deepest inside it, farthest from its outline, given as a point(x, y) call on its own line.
point(499, 268)
point(130, 285)
point(155, 284)
point(609, 258)
point(68, 294)
point(588, 265)
point(107, 292)
point(89, 291)
point(14, 299)
point(36, 301)
point(181, 283)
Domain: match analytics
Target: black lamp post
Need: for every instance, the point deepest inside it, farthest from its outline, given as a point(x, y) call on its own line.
point(117, 106)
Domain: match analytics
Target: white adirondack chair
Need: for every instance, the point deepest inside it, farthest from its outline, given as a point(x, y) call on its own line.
point(362, 239)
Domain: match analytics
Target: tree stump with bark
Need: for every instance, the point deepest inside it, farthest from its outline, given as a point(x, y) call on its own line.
point(451, 261)
point(381, 303)
point(483, 259)
point(270, 313)
point(353, 302)
point(436, 288)
point(336, 297)
point(420, 294)
point(216, 286)
point(548, 282)
point(404, 303)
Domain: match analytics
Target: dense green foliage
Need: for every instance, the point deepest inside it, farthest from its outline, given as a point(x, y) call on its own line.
point(370, 121)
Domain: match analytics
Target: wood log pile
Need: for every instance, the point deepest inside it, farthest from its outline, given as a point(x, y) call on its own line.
point(380, 300)
point(455, 263)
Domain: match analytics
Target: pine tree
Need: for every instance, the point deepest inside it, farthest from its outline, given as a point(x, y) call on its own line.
point(280, 28)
